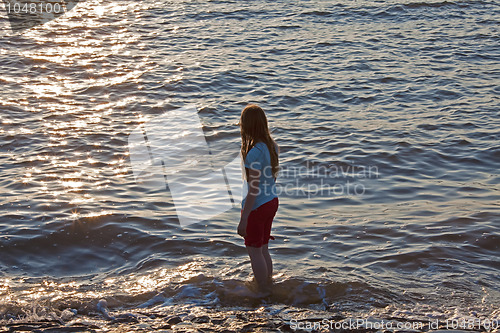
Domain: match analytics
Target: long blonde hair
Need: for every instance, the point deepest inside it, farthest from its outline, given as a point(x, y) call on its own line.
point(254, 128)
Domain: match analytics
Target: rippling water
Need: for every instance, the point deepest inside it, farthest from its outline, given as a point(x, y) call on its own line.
point(386, 112)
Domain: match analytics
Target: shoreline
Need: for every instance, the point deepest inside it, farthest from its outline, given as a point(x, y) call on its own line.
point(227, 320)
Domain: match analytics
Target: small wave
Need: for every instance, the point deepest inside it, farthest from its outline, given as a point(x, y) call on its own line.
point(318, 13)
point(165, 287)
point(413, 5)
point(287, 27)
point(168, 297)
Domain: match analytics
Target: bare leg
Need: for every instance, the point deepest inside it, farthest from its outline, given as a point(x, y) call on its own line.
point(259, 267)
point(269, 262)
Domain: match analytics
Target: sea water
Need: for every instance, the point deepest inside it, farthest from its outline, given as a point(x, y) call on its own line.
point(387, 118)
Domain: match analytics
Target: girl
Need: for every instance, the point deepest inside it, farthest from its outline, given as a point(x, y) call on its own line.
point(260, 156)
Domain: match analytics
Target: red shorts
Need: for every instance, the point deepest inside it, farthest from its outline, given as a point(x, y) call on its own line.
point(259, 224)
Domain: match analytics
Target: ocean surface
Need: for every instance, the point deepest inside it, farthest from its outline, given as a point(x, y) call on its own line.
point(386, 113)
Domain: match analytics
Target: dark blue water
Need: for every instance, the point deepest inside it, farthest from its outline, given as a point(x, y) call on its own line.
point(386, 113)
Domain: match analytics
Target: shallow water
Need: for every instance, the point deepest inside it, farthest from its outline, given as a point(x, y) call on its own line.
point(387, 118)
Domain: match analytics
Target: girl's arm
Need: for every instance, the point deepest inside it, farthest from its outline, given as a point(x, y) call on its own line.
point(253, 191)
